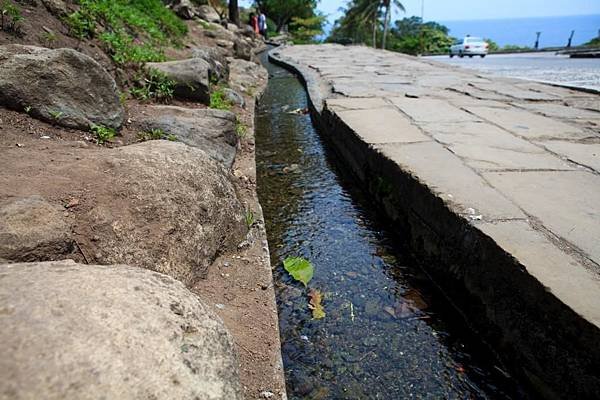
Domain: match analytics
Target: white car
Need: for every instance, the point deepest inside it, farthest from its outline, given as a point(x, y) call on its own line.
point(469, 46)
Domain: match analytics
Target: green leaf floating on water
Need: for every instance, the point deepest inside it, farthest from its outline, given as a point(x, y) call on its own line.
point(299, 268)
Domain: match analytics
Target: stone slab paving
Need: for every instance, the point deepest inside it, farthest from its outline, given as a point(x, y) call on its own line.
point(518, 160)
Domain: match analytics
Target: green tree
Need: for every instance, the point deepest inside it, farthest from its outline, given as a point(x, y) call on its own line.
point(283, 11)
point(304, 30)
point(388, 5)
point(361, 16)
point(411, 36)
point(492, 46)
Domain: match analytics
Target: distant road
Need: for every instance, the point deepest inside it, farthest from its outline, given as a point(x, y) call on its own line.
point(545, 67)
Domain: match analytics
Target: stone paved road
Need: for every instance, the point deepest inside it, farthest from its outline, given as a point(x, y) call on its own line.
point(545, 67)
point(518, 160)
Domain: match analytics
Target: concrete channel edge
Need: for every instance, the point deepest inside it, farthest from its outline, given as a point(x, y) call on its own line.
point(542, 340)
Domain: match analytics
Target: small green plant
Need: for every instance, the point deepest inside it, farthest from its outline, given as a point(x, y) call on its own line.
point(241, 130)
point(28, 109)
point(122, 98)
point(155, 85)
point(218, 99)
point(10, 17)
point(49, 38)
point(81, 23)
point(56, 115)
point(154, 134)
point(102, 133)
point(171, 137)
point(249, 218)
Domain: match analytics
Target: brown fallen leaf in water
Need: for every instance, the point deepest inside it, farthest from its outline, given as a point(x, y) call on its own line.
point(390, 311)
point(415, 299)
point(403, 310)
point(315, 304)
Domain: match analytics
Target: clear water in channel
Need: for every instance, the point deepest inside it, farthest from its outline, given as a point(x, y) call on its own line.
point(387, 334)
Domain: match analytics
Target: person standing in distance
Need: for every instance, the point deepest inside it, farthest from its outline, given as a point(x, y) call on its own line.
point(262, 24)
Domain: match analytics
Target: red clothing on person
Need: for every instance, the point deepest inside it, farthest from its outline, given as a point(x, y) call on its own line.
point(254, 22)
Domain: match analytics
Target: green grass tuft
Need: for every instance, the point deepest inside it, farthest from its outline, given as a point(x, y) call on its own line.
point(155, 85)
point(134, 31)
point(218, 99)
point(103, 134)
point(10, 18)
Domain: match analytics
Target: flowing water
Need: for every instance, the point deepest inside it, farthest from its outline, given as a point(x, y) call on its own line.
point(387, 333)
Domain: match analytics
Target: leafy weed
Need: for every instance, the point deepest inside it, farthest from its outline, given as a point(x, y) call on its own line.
point(218, 99)
point(102, 133)
point(10, 18)
point(155, 85)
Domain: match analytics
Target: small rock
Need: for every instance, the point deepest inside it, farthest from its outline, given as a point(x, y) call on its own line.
point(266, 394)
point(291, 168)
point(242, 50)
point(224, 43)
point(208, 13)
point(235, 98)
point(371, 308)
point(72, 203)
point(220, 306)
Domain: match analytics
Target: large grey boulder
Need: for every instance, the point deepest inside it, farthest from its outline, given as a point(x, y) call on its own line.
point(72, 331)
point(211, 130)
point(184, 8)
point(32, 229)
point(159, 205)
point(208, 13)
point(242, 49)
point(62, 86)
point(217, 31)
point(216, 58)
point(192, 77)
point(167, 207)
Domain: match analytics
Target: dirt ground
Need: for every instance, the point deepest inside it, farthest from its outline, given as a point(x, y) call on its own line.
point(239, 283)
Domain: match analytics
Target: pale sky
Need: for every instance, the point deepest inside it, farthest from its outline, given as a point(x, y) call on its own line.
point(444, 10)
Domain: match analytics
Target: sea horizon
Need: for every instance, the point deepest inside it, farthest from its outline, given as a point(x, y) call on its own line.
point(521, 31)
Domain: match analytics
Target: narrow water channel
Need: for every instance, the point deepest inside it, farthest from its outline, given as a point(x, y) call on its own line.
point(387, 334)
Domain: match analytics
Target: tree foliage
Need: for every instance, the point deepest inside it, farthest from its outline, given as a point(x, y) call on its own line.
point(365, 20)
point(283, 11)
point(412, 36)
point(304, 30)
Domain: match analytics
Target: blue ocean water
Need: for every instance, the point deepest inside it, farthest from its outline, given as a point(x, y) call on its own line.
point(521, 31)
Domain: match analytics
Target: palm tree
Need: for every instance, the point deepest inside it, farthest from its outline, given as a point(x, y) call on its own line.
point(388, 5)
point(363, 12)
point(360, 16)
